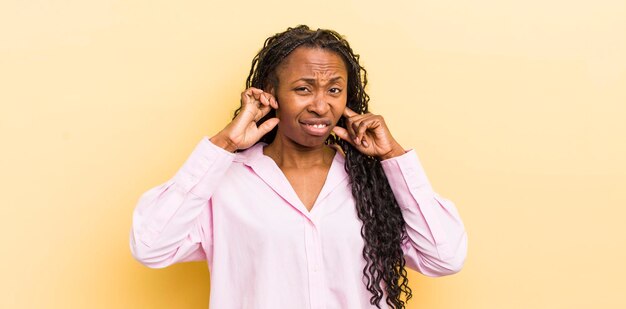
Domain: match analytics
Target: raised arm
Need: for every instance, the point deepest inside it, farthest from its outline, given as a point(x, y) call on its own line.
point(437, 244)
point(172, 221)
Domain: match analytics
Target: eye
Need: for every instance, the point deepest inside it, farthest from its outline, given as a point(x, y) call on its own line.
point(302, 89)
point(335, 90)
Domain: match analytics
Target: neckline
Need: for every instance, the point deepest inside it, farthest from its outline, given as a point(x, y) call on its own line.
point(255, 153)
point(267, 169)
point(332, 161)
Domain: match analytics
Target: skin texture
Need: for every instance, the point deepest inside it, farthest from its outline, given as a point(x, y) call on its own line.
point(311, 90)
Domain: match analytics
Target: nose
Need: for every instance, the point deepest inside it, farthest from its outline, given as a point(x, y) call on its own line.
point(320, 104)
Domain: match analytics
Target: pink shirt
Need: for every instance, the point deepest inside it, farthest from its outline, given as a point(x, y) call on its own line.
point(264, 249)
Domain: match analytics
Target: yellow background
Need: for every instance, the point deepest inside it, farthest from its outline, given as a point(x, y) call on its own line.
point(516, 108)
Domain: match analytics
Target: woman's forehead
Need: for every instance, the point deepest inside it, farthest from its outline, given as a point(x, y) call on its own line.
point(313, 61)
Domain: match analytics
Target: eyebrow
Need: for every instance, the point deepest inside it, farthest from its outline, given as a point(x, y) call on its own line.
point(313, 80)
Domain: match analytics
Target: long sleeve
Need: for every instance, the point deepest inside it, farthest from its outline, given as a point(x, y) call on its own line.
point(437, 244)
point(172, 220)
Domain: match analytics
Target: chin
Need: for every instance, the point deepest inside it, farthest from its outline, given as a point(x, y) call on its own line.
point(310, 141)
point(318, 142)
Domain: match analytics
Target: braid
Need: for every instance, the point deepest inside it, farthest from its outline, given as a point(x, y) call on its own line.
point(383, 228)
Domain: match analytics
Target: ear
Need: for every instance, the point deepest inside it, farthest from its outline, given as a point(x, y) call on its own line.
point(271, 90)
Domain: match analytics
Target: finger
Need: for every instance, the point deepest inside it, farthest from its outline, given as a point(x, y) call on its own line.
point(343, 134)
point(355, 128)
point(245, 97)
point(360, 131)
point(250, 97)
point(265, 98)
point(256, 103)
point(352, 124)
point(350, 129)
point(273, 102)
point(271, 99)
point(349, 113)
point(255, 90)
point(254, 94)
point(249, 110)
point(267, 126)
point(262, 98)
point(361, 116)
point(262, 111)
point(363, 126)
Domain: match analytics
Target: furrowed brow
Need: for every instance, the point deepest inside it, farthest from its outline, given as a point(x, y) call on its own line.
point(313, 81)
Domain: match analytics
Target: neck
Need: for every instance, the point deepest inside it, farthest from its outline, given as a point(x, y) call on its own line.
point(291, 155)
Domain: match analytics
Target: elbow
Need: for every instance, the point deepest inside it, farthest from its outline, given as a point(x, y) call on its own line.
point(442, 267)
point(149, 260)
point(448, 262)
point(148, 256)
point(451, 265)
point(453, 262)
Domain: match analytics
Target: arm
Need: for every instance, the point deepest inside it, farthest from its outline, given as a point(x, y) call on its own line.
point(172, 220)
point(437, 244)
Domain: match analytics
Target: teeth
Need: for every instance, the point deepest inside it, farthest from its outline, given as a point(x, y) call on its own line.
point(318, 126)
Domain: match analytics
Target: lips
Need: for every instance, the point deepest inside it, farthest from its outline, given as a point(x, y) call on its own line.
point(316, 126)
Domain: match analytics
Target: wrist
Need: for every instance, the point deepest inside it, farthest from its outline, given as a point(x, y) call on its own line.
point(395, 151)
point(223, 142)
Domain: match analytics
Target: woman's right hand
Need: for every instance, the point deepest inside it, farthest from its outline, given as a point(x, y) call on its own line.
point(242, 132)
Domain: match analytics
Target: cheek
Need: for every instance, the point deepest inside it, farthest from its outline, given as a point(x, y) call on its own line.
point(286, 113)
point(339, 107)
point(290, 107)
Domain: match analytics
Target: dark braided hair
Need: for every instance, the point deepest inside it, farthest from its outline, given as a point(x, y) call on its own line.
point(383, 227)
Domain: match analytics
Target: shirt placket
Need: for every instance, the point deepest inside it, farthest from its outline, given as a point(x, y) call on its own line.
point(314, 264)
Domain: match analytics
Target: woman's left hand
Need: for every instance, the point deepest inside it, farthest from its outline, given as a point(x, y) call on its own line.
point(369, 134)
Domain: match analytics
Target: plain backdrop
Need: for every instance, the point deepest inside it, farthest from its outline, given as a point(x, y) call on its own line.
point(516, 108)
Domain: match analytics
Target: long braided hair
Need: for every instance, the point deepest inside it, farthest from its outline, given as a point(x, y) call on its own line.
point(383, 227)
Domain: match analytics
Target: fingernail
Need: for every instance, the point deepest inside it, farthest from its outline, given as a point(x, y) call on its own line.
point(365, 143)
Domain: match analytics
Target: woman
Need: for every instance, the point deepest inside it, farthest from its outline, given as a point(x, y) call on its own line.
point(287, 214)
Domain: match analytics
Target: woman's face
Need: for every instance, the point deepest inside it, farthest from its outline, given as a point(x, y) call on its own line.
point(311, 95)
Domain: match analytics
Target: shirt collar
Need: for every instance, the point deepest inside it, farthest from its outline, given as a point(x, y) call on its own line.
point(254, 155)
point(271, 174)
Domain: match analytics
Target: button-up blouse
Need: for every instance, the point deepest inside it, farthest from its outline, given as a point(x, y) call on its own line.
point(264, 249)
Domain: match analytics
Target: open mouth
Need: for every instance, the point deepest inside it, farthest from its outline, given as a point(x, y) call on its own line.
point(316, 127)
